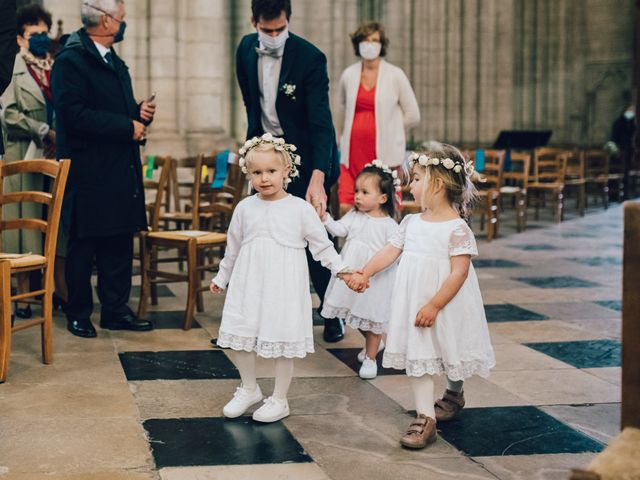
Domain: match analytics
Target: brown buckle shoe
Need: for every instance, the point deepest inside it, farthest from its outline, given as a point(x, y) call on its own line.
point(420, 433)
point(449, 405)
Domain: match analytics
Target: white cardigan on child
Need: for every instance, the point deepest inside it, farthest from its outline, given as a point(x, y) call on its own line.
point(396, 108)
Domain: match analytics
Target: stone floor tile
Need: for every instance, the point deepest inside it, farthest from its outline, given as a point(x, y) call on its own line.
point(600, 421)
point(478, 392)
point(513, 356)
point(551, 387)
point(161, 340)
point(296, 471)
point(73, 445)
point(87, 475)
point(546, 331)
point(72, 368)
point(612, 375)
point(72, 400)
point(538, 467)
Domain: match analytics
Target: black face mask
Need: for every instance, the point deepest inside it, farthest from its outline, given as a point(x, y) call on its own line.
point(119, 36)
point(39, 44)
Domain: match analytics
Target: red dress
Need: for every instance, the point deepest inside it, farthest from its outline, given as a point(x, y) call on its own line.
point(362, 146)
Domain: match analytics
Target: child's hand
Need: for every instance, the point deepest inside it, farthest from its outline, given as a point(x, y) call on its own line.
point(358, 282)
point(215, 288)
point(426, 316)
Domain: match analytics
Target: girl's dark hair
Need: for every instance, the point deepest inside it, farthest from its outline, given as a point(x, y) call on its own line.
point(31, 14)
point(386, 186)
point(366, 29)
point(270, 9)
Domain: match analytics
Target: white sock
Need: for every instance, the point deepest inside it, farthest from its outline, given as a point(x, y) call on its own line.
point(423, 394)
point(455, 386)
point(284, 374)
point(246, 365)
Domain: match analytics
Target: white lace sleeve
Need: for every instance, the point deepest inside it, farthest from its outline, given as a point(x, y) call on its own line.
point(397, 240)
point(462, 241)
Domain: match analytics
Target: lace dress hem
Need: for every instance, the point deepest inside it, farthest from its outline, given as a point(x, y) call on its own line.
point(266, 349)
point(435, 366)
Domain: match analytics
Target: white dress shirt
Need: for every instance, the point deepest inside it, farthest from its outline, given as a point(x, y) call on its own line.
point(268, 79)
point(102, 50)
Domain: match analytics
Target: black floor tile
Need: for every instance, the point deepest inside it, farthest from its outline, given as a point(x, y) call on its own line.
point(349, 356)
point(495, 263)
point(535, 247)
point(169, 319)
point(577, 234)
point(185, 442)
point(598, 261)
point(582, 354)
point(510, 313)
point(557, 282)
point(188, 364)
point(612, 304)
point(497, 431)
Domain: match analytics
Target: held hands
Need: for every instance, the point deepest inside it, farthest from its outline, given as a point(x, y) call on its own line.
point(215, 288)
point(358, 282)
point(426, 316)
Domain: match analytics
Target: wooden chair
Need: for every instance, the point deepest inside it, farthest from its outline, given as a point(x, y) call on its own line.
point(488, 184)
point(596, 165)
point(514, 186)
point(548, 179)
point(225, 200)
point(158, 192)
point(575, 177)
point(194, 242)
point(27, 262)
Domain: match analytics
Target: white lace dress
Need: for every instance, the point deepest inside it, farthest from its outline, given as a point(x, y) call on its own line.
point(267, 308)
point(368, 311)
point(458, 345)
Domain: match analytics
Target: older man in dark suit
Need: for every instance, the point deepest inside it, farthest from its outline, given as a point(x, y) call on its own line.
point(285, 87)
point(100, 127)
point(8, 47)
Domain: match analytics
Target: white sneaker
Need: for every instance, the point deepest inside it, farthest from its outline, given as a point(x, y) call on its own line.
point(272, 410)
point(363, 352)
point(241, 401)
point(369, 369)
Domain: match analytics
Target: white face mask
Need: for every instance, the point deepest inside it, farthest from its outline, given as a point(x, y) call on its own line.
point(273, 43)
point(369, 50)
point(629, 114)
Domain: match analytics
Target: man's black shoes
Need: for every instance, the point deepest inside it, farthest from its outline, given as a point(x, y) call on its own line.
point(124, 321)
point(333, 330)
point(81, 328)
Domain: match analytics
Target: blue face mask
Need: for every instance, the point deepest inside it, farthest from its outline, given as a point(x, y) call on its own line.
point(119, 36)
point(39, 44)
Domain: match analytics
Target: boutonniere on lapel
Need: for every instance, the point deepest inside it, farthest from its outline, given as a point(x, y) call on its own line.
point(289, 90)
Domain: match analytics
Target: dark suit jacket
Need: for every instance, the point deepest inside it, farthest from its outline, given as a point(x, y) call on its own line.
point(305, 119)
point(8, 47)
point(95, 108)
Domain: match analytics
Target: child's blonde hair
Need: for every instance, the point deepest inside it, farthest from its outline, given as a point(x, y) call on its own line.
point(265, 147)
point(461, 193)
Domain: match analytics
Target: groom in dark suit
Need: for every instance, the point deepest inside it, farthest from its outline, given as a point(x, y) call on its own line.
point(285, 87)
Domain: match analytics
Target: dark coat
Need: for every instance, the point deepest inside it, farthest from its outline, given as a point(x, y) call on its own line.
point(8, 47)
point(95, 109)
point(305, 119)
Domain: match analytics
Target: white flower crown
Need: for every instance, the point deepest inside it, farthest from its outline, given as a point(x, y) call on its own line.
point(385, 168)
point(457, 166)
point(279, 144)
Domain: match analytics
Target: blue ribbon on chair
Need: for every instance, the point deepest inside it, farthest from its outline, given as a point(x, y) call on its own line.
point(480, 160)
point(222, 161)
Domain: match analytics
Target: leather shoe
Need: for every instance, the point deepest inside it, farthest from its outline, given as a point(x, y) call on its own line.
point(333, 330)
point(124, 321)
point(82, 328)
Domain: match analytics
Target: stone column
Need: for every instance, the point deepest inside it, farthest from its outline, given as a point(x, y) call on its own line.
point(205, 68)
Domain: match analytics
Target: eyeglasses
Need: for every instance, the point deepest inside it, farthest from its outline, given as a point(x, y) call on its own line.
point(87, 4)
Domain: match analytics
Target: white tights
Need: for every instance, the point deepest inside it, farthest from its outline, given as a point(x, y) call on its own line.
point(423, 395)
point(246, 364)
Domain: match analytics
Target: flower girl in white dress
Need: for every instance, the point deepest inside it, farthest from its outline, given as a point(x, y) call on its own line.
point(437, 324)
point(267, 310)
point(368, 227)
